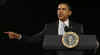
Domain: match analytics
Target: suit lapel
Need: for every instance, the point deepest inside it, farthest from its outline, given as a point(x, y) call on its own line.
point(70, 24)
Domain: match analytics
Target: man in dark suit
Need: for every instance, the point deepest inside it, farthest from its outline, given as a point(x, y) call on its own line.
point(58, 28)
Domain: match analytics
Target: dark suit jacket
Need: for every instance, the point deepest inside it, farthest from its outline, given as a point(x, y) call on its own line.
point(53, 28)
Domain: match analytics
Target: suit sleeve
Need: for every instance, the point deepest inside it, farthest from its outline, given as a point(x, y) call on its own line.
point(37, 38)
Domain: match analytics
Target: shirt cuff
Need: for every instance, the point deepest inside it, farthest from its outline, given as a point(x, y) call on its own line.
point(20, 37)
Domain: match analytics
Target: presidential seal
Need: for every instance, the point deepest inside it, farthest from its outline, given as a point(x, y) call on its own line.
point(70, 39)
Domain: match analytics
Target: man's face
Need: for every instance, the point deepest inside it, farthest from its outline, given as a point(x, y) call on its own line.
point(63, 12)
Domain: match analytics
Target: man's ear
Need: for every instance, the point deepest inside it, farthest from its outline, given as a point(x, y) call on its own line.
point(70, 13)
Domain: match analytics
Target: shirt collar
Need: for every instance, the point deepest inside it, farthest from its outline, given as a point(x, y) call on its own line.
point(65, 22)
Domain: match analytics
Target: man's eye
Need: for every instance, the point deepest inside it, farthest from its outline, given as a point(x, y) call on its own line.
point(64, 9)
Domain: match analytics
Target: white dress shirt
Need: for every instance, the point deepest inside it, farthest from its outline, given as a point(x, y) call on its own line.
point(61, 26)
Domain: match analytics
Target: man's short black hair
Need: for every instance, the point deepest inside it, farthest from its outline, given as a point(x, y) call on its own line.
point(67, 3)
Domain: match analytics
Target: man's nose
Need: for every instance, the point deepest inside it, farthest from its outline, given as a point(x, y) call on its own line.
point(61, 11)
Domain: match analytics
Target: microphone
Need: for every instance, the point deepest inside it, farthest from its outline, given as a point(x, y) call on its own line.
point(67, 29)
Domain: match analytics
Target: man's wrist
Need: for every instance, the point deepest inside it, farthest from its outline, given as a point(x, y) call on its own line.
point(97, 44)
point(19, 37)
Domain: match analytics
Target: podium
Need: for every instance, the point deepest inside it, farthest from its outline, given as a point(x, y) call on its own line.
point(53, 42)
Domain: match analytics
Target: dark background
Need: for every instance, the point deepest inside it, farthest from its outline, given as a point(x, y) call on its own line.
point(26, 13)
point(30, 17)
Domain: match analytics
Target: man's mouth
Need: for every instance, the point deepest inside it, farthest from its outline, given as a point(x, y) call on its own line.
point(60, 15)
